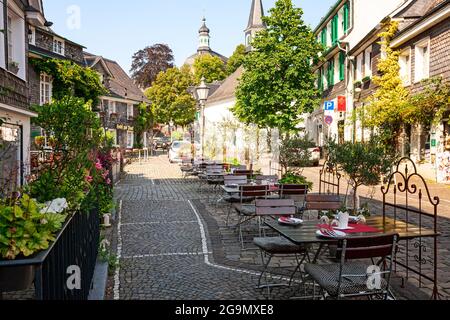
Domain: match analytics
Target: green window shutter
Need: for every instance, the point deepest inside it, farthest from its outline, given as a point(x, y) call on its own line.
point(334, 27)
point(324, 36)
point(341, 66)
point(320, 81)
point(346, 17)
point(331, 73)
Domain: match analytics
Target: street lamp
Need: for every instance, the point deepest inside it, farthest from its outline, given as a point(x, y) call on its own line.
point(202, 96)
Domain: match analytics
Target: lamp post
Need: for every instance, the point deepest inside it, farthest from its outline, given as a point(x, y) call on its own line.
point(202, 96)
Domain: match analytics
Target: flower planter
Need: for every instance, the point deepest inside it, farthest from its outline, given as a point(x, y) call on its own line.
point(14, 68)
point(16, 278)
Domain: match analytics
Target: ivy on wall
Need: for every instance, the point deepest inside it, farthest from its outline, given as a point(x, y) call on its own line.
point(71, 79)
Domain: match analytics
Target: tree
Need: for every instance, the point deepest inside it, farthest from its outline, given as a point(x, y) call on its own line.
point(170, 99)
point(364, 162)
point(278, 84)
point(237, 59)
point(387, 105)
point(212, 68)
point(149, 62)
point(295, 154)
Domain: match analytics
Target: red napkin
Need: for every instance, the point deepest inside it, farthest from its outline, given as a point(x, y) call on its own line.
point(358, 228)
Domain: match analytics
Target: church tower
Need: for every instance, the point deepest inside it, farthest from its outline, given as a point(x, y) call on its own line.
point(255, 22)
point(204, 38)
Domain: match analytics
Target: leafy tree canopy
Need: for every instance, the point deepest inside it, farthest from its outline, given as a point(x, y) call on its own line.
point(149, 62)
point(170, 99)
point(210, 67)
point(237, 59)
point(278, 84)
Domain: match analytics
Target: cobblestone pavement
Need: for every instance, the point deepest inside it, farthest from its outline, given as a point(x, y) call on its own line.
point(173, 243)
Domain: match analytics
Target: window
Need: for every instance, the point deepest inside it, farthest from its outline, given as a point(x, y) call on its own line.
point(130, 139)
point(248, 40)
point(130, 111)
point(359, 64)
point(405, 67)
point(32, 36)
point(111, 106)
point(368, 62)
point(58, 46)
point(10, 40)
point(422, 60)
point(45, 89)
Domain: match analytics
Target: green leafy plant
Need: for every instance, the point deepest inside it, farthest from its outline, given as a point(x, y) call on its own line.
point(293, 178)
point(71, 79)
point(210, 67)
point(363, 162)
point(24, 230)
point(295, 154)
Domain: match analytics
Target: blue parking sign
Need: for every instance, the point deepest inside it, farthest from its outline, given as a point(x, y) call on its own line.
point(329, 105)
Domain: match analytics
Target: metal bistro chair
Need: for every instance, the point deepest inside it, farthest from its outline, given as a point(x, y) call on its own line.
point(278, 246)
point(248, 173)
point(296, 192)
point(187, 168)
point(354, 279)
point(246, 211)
point(232, 180)
point(209, 174)
point(322, 202)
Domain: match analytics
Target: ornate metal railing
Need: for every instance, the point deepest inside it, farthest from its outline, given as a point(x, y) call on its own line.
point(75, 249)
point(330, 179)
point(414, 254)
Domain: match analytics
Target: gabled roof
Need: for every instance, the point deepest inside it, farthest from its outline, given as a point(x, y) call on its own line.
point(118, 82)
point(228, 88)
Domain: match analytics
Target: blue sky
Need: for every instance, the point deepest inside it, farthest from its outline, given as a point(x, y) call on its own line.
point(116, 29)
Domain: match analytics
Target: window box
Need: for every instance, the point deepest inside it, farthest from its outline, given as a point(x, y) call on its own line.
point(357, 84)
point(366, 79)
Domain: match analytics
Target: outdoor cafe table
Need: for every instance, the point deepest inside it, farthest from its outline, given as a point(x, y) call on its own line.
point(231, 191)
point(306, 233)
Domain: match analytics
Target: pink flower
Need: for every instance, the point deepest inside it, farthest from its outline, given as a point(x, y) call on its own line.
point(105, 174)
point(98, 166)
point(89, 179)
point(108, 182)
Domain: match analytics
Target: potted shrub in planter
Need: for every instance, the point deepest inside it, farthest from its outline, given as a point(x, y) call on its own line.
point(357, 84)
point(13, 67)
point(26, 228)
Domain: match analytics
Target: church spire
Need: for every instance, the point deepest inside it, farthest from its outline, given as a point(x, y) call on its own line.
point(255, 22)
point(204, 37)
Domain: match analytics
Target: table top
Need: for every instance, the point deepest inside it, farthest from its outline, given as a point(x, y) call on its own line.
point(306, 233)
point(237, 190)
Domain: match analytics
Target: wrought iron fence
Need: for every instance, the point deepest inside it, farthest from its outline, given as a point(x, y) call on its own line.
point(56, 269)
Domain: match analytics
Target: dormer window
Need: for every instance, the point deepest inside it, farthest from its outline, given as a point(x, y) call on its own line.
point(58, 46)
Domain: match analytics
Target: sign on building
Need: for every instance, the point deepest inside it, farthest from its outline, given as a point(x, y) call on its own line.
point(329, 105)
point(342, 104)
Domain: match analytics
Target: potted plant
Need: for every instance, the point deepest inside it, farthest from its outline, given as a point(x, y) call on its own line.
point(366, 79)
point(13, 66)
point(357, 84)
point(21, 217)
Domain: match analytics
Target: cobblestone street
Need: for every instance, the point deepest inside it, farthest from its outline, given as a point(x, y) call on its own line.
point(173, 244)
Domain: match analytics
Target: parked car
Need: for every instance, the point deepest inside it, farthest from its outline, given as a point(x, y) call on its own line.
point(161, 143)
point(180, 150)
point(315, 156)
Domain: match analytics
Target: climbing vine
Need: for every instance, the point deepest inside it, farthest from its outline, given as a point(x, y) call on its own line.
point(71, 79)
point(389, 102)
